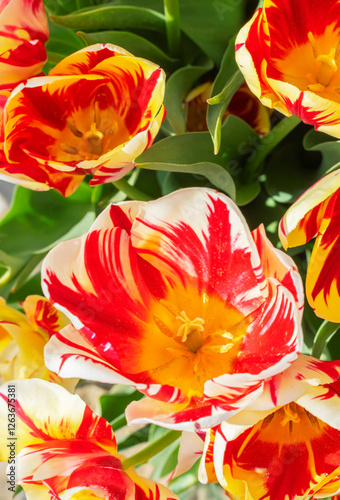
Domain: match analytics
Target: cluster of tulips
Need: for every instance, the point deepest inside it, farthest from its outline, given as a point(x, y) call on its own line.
point(175, 296)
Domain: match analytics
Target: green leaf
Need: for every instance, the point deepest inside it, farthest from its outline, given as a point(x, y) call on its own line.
point(137, 45)
point(216, 174)
point(138, 437)
point(326, 331)
point(61, 7)
point(291, 169)
point(222, 93)
point(109, 17)
point(61, 43)
point(211, 24)
point(17, 490)
point(328, 147)
point(114, 404)
point(193, 153)
point(36, 222)
point(188, 153)
point(176, 90)
point(165, 461)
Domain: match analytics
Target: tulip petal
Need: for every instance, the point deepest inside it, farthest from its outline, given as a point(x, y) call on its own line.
point(68, 352)
point(289, 385)
point(279, 265)
point(323, 279)
point(94, 114)
point(302, 220)
point(183, 245)
point(46, 412)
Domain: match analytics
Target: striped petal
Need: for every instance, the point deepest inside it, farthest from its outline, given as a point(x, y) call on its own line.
point(63, 450)
point(303, 219)
point(23, 33)
point(107, 108)
point(317, 212)
point(289, 385)
point(289, 57)
point(279, 265)
point(171, 295)
point(256, 456)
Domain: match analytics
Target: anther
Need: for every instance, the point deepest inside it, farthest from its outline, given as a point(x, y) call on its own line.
point(73, 128)
point(69, 149)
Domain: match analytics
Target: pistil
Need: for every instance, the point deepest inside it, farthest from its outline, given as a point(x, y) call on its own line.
point(289, 415)
point(325, 67)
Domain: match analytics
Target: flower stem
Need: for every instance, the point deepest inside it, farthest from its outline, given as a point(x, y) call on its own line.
point(269, 142)
point(173, 26)
point(323, 336)
point(130, 191)
point(118, 422)
point(151, 449)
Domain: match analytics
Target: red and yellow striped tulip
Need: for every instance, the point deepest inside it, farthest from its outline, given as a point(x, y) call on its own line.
point(317, 213)
point(62, 450)
point(243, 104)
point(178, 298)
point(285, 453)
point(24, 336)
point(289, 54)
point(98, 109)
point(23, 33)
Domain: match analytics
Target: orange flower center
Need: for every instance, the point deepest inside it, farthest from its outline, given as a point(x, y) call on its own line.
point(195, 337)
point(191, 332)
point(90, 144)
point(325, 67)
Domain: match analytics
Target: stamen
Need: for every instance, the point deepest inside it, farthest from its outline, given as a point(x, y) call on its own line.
point(96, 114)
point(170, 307)
point(73, 128)
point(316, 87)
point(221, 349)
point(163, 327)
point(289, 416)
point(313, 44)
point(69, 149)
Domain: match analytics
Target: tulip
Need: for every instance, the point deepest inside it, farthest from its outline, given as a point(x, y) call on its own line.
point(315, 213)
point(179, 299)
point(98, 109)
point(283, 453)
point(243, 104)
point(61, 449)
point(23, 33)
point(24, 336)
point(289, 55)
